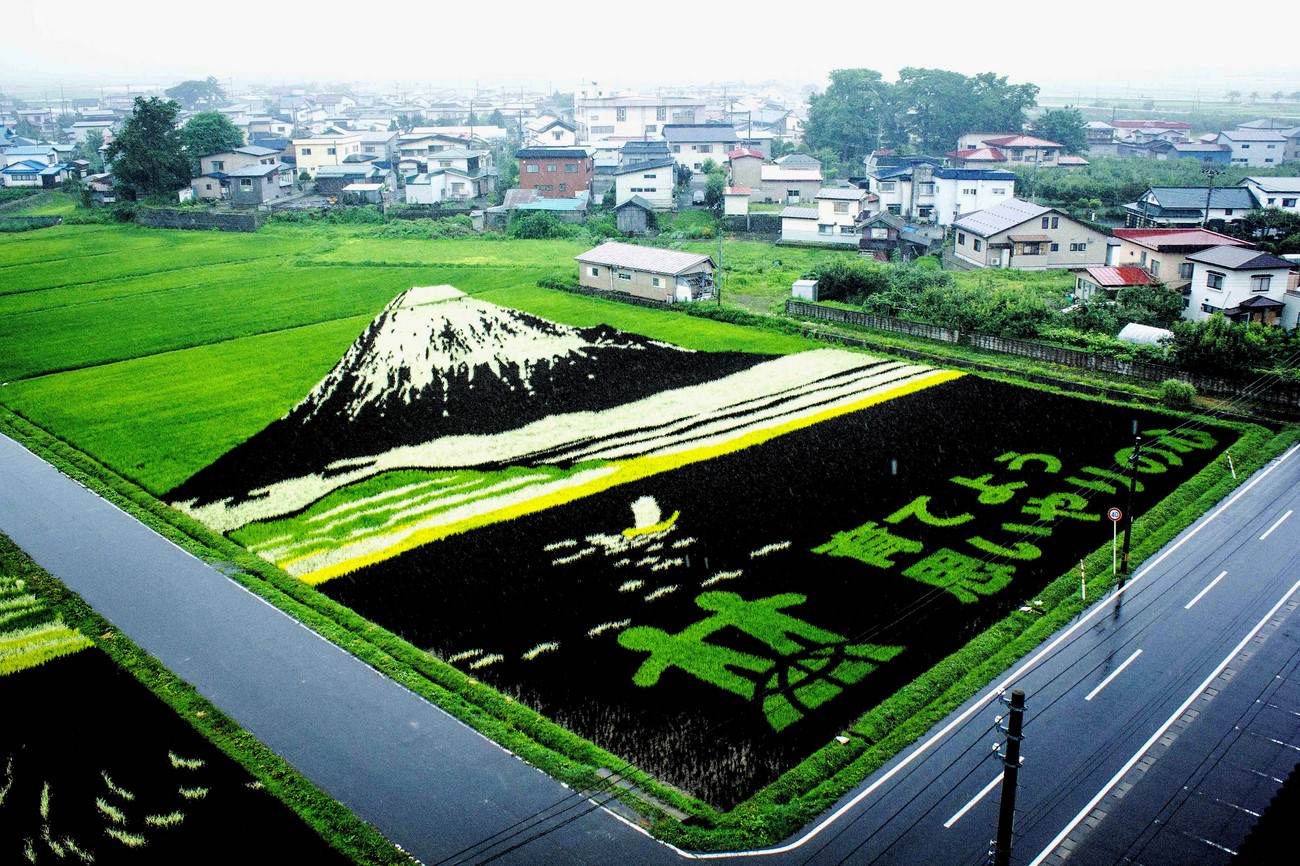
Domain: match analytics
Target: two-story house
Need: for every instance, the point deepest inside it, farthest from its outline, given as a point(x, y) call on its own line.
point(652, 180)
point(1254, 147)
point(1026, 236)
point(598, 117)
point(1278, 192)
point(1188, 206)
point(692, 145)
point(555, 172)
point(834, 220)
point(330, 147)
point(1243, 284)
point(256, 173)
point(1018, 149)
point(550, 132)
point(960, 191)
point(1163, 253)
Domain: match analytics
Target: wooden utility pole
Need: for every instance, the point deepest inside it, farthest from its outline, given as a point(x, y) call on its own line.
point(1010, 772)
point(1128, 523)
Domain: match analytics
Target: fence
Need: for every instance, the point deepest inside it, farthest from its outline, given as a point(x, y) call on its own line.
point(1282, 393)
point(163, 218)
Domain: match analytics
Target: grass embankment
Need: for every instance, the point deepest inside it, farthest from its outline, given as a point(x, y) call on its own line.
point(204, 360)
point(60, 607)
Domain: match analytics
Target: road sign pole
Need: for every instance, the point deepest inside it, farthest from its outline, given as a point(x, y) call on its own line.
point(1114, 546)
point(1083, 582)
point(1132, 483)
point(1010, 772)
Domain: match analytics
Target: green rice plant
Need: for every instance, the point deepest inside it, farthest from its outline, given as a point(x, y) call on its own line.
point(45, 802)
point(72, 846)
point(29, 850)
point(9, 780)
point(53, 844)
point(114, 814)
point(171, 819)
point(130, 840)
point(121, 792)
point(193, 793)
point(184, 763)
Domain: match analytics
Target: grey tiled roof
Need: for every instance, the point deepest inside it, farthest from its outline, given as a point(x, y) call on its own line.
point(652, 259)
point(1239, 259)
point(1009, 213)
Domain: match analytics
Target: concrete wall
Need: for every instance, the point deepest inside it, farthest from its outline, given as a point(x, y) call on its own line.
point(199, 220)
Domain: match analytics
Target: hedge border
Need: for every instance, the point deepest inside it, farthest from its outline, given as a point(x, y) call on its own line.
point(783, 807)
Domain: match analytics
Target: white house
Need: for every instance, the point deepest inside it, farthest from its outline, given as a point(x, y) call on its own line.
point(1278, 192)
point(1254, 147)
point(694, 144)
point(833, 221)
point(330, 147)
point(1244, 285)
point(652, 180)
point(598, 115)
point(426, 188)
point(960, 191)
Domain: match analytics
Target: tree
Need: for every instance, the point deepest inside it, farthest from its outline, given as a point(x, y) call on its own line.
point(1155, 305)
point(1218, 346)
point(715, 188)
point(1232, 95)
point(496, 118)
point(209, 132)
point(846, 117)
point(148, 155)
point(192, 94)
point(936, 106)
point(1065, 127)
point(89, 149)
point(1277, 95)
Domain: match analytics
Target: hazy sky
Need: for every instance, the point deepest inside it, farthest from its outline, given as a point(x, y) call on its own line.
point(1146, 46)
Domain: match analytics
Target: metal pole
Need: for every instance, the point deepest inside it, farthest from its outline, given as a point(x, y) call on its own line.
point(1010, 771)
point(1128, 524)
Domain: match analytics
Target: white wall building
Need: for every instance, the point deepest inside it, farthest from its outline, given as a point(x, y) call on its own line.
point(1278, 192)
point(959, 191)
point(1254, 147)
point(653, 181)
point(1242, 284)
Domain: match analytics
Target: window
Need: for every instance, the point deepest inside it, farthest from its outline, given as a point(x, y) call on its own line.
point(677, 148)
point(620, 114)
point(595, 272)
point(841, 207)
point(999, 190)
point(533, 169)
point(979, 244)
point(1078, 248)
point(1056, 222)
point(571, 168)
point(218, 165)
point(1260, 283)
point(924, 212)
point(1185, 271)
point(599, 130)
point(1288, 202)
point(656, 281)
point(563, 187)
point(1272, 201)
point(207, 186)
point(927, 189)
point(1245, 147)
point(1155, 267)
point(792, 193)
point(1209, 308)
point(1045, 222)
point(305, 151)
point(1142, 258)
point(968, 190)
point(625, 277)
point(651, 127)
point(887, 186)
point(1227, 211)
point(1033, 249)
point(544, 187)
point(661, 113)
point(1214, 280)
point(897, 210)
point(331, 151)
point(1056, 248)
point(961, 238)
point(550, 166)
point(824, 228)
point(704, 148)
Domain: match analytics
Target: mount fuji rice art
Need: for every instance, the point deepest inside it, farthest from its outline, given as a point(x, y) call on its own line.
point(708, 563)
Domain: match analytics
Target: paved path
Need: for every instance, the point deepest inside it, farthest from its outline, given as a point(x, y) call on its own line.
point(437, 788)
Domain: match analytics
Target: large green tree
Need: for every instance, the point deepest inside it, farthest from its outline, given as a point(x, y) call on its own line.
point(1063, 126)
point(209, 132)
point(89, 149)
point(847, 115)
point(192, 94)
point(148, 155)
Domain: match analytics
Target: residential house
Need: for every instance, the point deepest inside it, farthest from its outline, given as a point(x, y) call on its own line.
point(1245, 285)
point(1188, 206)
point(330, 147)
point(254, 172)
point(653, 181)
point(833, 221)
point(258, 183)
point(426, 188)
point(82, 128)
point(960, 191)
point(550, 132)
point(470, 178)
point(800, 161)
point(1163, 252)
point(633, 152)
point(1210, 153)
point(555, 172)
point(569, 210)
point(382, 145)
point(789, 185)
point(1105, 282)
point(1278, 192)
point(45, 154)
point(746, 167)
point(1254, 147)
point(905, 186)
point(598, 117)
point(647, 272)
point(1018, 149)
point(1025, 236)
point(692, 145)
point(330, 179)
point(977, 157)
point(1100, 137)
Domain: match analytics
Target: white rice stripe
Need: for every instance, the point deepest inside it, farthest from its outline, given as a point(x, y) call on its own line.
point(606, 626)
point(378, 497)
point(338, 555)
point(423, 506)
point(547, 434)
point(721, 575)
point(642, 443)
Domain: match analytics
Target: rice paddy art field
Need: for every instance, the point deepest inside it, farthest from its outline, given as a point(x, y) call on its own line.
point(707, 549)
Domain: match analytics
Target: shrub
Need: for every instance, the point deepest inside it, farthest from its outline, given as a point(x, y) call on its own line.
point(540, 225)
point(850, 280)
point(364, 215)
point(1176, 393)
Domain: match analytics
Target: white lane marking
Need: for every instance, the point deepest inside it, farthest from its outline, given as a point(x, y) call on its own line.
point(980, 796)
point(1275, 525)
point(1160, 732)
point(1209, 587)
point(1119, 670)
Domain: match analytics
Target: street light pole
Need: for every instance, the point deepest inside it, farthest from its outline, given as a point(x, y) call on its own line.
point(1210, 173)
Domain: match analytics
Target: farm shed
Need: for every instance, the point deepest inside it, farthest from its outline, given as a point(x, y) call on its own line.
point(647, 272)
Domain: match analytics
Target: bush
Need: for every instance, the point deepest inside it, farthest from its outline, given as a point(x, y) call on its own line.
point(364, 215)
point(1176, 393)
point(540, 225)
point(850, 280)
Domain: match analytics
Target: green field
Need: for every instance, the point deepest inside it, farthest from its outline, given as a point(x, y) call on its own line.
point(203, 338)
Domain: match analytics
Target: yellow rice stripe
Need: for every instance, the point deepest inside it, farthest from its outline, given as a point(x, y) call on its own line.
point(634, 470)
point(634, 531)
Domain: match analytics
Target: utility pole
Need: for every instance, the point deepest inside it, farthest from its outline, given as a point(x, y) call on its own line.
point(1128, 524)
point(1010, 772)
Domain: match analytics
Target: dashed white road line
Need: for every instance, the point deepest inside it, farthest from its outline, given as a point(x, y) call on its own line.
point(1119, 670)
point(1189, 604)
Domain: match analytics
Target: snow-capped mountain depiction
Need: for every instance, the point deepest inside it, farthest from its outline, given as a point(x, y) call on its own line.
point(437, 363)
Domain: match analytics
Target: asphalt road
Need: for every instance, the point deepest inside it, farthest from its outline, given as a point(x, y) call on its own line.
point(1155, 691)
